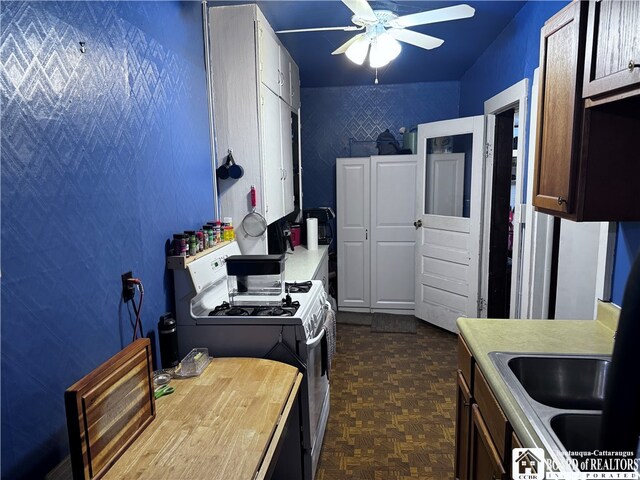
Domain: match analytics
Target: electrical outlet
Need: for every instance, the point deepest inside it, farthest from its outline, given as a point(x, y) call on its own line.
point(128, 288)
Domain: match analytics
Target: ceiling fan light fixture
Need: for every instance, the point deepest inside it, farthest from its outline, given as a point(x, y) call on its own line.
point(357, 51)
point(384, 48)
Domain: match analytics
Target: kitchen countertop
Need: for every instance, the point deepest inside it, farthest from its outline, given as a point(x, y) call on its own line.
point(224, 424)
point(302, 264)
point(529, 336)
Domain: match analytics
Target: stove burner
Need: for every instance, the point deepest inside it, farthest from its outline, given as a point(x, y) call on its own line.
point(227, 310)
point(296, 287)
point(274, 311)
point(220, 310)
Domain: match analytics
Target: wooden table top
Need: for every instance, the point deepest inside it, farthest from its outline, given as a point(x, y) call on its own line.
point(220, 425)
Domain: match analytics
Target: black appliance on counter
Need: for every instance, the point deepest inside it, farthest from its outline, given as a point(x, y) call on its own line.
point(325, 215)
point(279, 238)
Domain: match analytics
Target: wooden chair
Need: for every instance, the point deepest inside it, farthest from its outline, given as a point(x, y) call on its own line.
point(108, 409)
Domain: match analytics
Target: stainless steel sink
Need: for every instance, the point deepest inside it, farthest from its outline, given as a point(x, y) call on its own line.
point(578, 432)
point(563, 382)
point(561, 395)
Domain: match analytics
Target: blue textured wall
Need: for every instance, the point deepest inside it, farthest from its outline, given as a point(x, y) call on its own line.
point(104, 155)
point(513, 55)
point(331, 116)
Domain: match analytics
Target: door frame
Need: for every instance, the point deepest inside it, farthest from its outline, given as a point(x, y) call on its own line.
point(516, 97)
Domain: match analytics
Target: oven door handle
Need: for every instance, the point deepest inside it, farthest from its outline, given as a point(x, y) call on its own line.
point(316, 340)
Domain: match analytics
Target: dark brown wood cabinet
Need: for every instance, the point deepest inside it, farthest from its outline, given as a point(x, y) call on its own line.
point(559, 113)
point(463, 424)
point(483, 434)
point(612, 60)
point(586, 162)
point(463, 415)
point(485, 462)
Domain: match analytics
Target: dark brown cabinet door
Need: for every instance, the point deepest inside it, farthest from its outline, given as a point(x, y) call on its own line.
point(612, 59)
point(560, 109)
point(463, 426)
point(485, 461)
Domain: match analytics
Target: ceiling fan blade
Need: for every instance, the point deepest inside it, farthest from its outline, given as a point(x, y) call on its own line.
point(350, 28)
point(414, 38)
point(343, 48)
point(434, 16)
point(361, 9)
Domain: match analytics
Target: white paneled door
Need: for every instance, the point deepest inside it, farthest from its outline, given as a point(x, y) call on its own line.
point(393, 240)
point(354, 194)
point(447, 253)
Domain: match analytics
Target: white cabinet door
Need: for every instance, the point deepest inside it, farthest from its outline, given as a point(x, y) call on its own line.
point(271, 153)
point(354, 266)
point(285, 76)
point(393, 238)
point(269, 55)
point(295, 86)
point(287, 158)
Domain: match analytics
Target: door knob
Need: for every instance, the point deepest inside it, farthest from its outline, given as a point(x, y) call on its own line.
point(417, 224)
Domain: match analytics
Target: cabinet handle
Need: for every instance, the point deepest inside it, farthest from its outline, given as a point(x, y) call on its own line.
point(561, 200)
point(633, 65)
point(366, 234)
point(417, 224)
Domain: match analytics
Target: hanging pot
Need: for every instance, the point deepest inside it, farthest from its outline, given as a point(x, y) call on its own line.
point(230, 169)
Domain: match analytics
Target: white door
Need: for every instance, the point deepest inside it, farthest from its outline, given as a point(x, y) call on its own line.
point(448, 247)
point(353, 205)
point(393, 199)
point(272, 151)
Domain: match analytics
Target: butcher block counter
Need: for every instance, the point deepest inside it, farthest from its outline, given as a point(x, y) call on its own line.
point(227, 423)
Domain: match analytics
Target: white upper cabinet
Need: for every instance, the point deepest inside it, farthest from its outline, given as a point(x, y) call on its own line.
point(285, 75)
point(269, 57)
point(277, 69)
point(252, 114)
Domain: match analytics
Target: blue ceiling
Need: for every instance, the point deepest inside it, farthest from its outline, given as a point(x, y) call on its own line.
point(464, 40)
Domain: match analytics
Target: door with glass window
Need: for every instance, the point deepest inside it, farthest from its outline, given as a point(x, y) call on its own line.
point(449, 216)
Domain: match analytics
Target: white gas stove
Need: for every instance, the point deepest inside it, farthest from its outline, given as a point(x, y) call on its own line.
point(288, 329)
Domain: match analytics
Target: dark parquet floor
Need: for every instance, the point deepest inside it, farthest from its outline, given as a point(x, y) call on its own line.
point(392, 406)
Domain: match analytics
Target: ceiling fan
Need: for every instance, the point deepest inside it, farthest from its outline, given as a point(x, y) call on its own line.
point(383, 30)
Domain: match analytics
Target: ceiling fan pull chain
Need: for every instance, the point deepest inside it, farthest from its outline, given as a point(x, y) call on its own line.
point(376, 82)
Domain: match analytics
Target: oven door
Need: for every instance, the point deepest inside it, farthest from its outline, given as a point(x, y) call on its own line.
point(318, 386)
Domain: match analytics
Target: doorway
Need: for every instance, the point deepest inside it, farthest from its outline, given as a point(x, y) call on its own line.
point(503, 222)
point(501, 215)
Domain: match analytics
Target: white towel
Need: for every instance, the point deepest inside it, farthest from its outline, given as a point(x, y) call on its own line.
point(330, 333)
